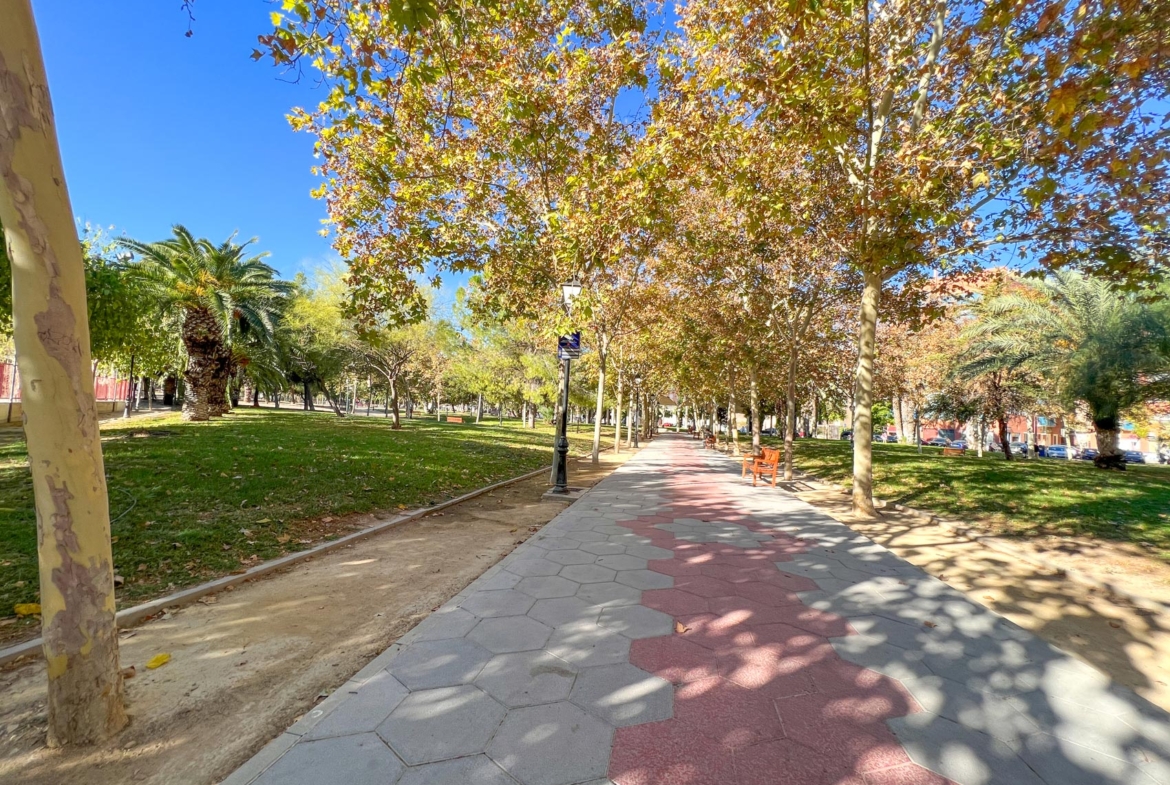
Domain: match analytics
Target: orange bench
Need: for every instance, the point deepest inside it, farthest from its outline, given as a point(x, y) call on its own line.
point(454, 418)
point(709, 443)
point(954, 452)
point(767, 462)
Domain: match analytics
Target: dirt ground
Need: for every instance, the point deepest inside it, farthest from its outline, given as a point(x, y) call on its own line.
point(1130, 643)
point(247, 663)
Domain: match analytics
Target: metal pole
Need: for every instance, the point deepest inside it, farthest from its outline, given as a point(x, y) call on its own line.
point(561, 459)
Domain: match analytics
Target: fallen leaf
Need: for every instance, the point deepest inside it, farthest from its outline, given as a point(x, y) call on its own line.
point(1115, 625)
point(129, 673)
point(282, 538)
point(157, 661)
point(27, 609)
point(930, 624)
point(264, 520)
point(118, 581)
point(680, 628)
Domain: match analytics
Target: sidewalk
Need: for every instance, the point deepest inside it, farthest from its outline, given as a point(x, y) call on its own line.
point(678, 627)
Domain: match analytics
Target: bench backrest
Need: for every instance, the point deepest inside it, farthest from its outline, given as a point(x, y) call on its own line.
point(952, 451)
point(770, 455)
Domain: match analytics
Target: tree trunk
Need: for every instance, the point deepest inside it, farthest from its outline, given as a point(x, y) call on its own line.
point(754, 400)
point(617, 418)
point(255, 397)
point(335, 403)
point(602, 355)
point(394, 403)
point(1108, 444)
point(790, 416)
point(479, 409)
point(276, 399)
point(51, 331)
point(1004, 442)
point(863, 396)
point(203, 341)
point(731, 424)
point(633, 407)
point(899, 424)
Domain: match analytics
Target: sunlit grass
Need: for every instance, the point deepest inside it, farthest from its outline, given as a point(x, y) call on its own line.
point(197, 500)
point(1021, 496)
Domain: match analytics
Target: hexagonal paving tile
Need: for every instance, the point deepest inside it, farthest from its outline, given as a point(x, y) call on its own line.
point(571, 557)
point(645, 579)
point(507, 602)
point(603, 548)
point(527, 678)
point(622, 561)
point(474, 770)
point(547, 587)
point(564, 610)
point(532, 567)
point(588, 573)
point(649, 552)
point(434, 725)
point(438, 663)
point(444, 623)
point(609, 595)
point(361, 760)
point(585, 644)
point(510, 633)
point(623, 694)
point(364, 711)
point(636, 621)
point(524, 742)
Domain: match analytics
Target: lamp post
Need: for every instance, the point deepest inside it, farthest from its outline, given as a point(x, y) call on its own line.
point(637, 408)
point(569, 291)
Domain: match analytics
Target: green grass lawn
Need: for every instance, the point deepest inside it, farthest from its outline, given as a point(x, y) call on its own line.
point(1018, 497)
point(193, 501)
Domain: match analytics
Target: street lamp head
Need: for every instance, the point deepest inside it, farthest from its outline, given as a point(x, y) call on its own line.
point(638, 380)
point(569, 291)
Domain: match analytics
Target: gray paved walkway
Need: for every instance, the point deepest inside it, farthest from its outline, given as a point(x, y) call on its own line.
point(677, 626)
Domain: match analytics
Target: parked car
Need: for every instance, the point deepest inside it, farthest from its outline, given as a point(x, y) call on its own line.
point(1058, 451)
point(1088, 454)
point(847, 435)
point(958, 444)
point(938, 441)
point(1133, 456)
point(891, 438)
point(1019, 448)
point(769, 432)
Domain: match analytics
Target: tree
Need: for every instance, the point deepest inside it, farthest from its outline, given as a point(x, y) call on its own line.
point(1097, 345)
point(962, 128)
point(51, 332)
point(212, 286)
point(389, 352)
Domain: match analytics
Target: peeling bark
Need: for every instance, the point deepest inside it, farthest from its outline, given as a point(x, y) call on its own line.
point(52, 341)
point(863, 397)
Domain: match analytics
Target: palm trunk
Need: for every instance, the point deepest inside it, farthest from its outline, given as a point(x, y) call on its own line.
point(78, 629)
point(863, 396)
point(203, 341)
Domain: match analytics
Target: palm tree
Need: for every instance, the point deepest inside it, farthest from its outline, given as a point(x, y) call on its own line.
point(215, 288)
point(1094, 344)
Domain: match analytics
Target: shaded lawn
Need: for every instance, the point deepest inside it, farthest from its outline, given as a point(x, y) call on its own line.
point(194, 501)
point(1018, 497)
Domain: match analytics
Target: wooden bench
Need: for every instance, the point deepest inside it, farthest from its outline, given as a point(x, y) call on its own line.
point(709, 443)
point(953, 452)
point(767, 462)
point(454, 418)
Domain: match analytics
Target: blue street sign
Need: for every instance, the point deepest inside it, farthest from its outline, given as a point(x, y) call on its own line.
point(569, 347)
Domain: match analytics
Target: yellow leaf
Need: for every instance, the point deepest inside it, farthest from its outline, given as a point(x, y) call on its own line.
point(157, 661)
point(980, 179)
point(276, 18)
point(27, 609)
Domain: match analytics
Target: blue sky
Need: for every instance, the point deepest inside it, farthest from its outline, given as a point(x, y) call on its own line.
point(156, 128)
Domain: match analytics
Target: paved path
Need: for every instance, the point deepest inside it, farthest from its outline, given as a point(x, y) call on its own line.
point(678, 627)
